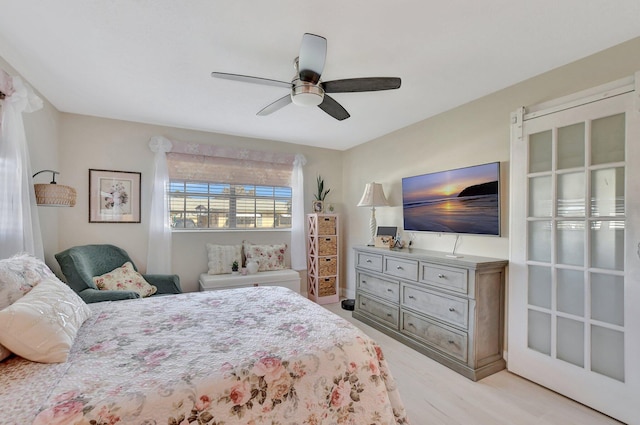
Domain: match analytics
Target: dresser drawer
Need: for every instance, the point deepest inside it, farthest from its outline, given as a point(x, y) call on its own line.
point(406, 269)
point(384, 312)
point(447, 340)
point(449, 309)
point(445, 277)
point(369, 261)
point(387, 289)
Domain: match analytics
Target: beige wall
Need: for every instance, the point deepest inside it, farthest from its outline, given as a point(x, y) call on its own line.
point(98, 143)
point(475, 133)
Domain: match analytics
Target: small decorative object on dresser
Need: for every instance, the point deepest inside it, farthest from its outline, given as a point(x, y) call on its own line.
point(451, 309)
point(322, 258)
point(234, 267)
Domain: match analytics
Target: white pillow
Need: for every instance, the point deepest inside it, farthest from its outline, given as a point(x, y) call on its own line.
point(42, 325)
point(125, 278)
point(221, 257)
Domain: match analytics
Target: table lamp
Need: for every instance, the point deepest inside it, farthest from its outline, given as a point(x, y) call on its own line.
point(373, 197)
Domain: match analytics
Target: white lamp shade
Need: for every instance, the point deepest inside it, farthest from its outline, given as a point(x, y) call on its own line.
point(373, 196)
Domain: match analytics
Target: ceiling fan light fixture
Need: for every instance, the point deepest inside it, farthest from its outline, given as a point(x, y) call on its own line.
point(307, 95)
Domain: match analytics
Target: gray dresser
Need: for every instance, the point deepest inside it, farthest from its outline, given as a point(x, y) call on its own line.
point(451, 309)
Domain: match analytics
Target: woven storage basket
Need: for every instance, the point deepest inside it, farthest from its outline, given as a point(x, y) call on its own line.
point(327, 245)
point(327, 286)
point(328, 266)
point(55, 195)
point(326, 225)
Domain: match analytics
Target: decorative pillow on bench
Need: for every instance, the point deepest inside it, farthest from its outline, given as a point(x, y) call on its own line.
point(221, 257)
point(269, 257)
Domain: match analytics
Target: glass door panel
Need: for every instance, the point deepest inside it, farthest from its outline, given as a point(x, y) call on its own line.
point(608, 139)
point(607, 192)
point(540, 286)
point(607, 245)
point(540, 196)
point(570, 240)
point(570, 292)
point(571, 146)
point(571, 341)
point(540, 332)
point(607, 298)
point(607, 352)
point(540, 241)
point(540, 151)
point(571, 201)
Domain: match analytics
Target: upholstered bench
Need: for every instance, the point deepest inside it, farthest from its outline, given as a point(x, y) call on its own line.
point(287, 278)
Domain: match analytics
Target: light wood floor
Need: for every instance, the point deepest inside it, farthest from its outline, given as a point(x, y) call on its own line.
point(435, 395)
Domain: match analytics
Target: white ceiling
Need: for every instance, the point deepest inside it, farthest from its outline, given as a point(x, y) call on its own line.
point(150, 60)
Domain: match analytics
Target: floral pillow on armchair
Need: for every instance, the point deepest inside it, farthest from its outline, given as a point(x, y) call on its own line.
point(269, 257)
point(125, 278)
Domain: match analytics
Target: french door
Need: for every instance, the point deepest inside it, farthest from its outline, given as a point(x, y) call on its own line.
point(574, 272)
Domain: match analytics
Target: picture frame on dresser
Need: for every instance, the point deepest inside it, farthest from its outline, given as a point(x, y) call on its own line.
point(318, 207)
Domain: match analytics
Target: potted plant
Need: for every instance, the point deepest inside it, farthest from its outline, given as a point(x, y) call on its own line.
point(318, 204)
point(234, 268)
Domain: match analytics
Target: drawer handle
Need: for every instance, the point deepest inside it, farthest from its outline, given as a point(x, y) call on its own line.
point(363, 303)
point(441, 276)
point(399, 268)
point(389, 290)
point(389, 315)
point(451, 341)
point(411, 324)
point(327, 259)
point(452, 309)
point(327, 239)
point(411, 297)
point(368, 261)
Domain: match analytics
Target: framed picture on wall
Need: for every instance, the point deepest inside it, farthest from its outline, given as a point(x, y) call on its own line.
point(114, 196)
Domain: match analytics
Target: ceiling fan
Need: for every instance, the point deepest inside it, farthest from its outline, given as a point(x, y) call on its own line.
point(306, 87)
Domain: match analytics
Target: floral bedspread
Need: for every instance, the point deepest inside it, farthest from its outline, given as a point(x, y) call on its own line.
point(262, 355)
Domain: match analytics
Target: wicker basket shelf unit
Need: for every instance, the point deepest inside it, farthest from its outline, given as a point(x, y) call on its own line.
point(323, 258)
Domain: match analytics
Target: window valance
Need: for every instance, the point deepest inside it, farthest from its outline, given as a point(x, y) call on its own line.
point(198, 162)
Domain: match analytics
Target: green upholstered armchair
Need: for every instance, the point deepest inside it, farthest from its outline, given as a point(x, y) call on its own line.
point(81, 263)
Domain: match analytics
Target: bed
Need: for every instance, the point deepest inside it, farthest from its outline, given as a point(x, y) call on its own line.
point(262, 355)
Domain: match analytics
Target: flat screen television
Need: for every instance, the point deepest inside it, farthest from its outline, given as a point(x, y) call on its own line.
point(463, 201)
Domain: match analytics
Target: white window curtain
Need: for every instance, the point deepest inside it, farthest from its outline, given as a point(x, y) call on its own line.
point(159, 252)
point(19, 223)
point(193, 161)
point(298, 248)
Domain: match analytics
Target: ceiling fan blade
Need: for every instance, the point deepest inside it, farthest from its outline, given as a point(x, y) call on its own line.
point(249, 79)
point(333, 108)
point(313, 53)
point(278, 104)
point(351, 85)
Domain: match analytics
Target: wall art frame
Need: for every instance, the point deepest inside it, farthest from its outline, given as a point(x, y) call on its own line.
point(114, 196)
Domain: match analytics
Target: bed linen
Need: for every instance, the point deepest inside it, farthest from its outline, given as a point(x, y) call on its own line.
point(262, 355)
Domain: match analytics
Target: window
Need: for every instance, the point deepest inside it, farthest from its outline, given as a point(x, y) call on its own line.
point(208, 205)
